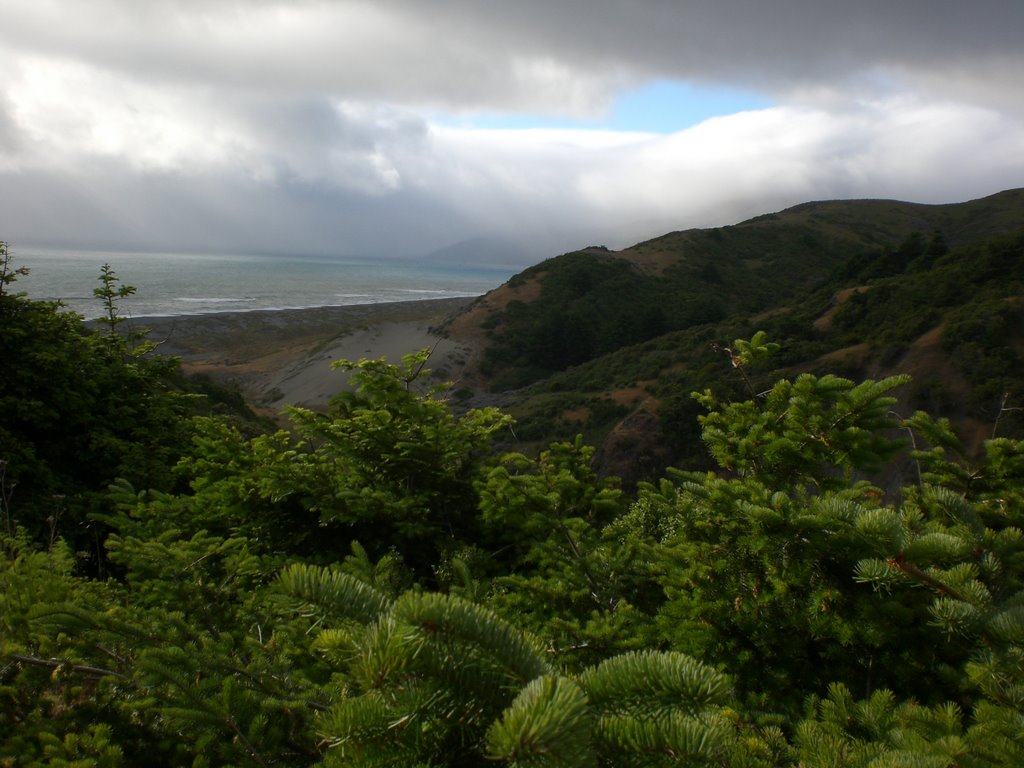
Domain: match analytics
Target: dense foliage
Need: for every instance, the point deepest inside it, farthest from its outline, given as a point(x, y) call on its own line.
point(379, 585)
point(80, 407)
point(587, 304)
point(855, 288)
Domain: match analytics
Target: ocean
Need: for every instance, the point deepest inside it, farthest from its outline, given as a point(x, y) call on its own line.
point(170, 284)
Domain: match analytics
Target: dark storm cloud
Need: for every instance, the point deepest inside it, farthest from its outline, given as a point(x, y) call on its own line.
point(328, 126)
point(775, 43)
point(469, 54)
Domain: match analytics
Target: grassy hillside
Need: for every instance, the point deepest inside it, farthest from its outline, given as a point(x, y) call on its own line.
point(611, 343)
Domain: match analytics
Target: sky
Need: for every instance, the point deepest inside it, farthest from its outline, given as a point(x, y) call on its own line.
point(397, 127)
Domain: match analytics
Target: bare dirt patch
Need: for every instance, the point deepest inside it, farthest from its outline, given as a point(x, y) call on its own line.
point(856, 355)
point(285, 357)
point(628, 396)
point(824, 323)
point(580, 415)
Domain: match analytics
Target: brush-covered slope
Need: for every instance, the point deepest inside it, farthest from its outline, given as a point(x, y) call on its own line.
point(611, 343)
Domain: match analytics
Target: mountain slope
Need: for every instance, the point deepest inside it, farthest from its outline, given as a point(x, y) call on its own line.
point(611, 343)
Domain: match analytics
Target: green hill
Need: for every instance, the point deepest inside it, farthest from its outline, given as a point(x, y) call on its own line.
point(611, 343)
point(382, 583)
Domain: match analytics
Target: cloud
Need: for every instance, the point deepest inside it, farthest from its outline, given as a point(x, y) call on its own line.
point(741, 165)
point(567, 56)
point(327, 125)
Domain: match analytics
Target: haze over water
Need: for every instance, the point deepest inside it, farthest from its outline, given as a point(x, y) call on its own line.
point(190, 284)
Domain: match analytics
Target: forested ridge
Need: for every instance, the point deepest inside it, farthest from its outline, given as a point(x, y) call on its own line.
point(383, 583)
point(611, 343)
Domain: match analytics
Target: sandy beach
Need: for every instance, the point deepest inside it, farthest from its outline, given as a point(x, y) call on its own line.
point(284, 357)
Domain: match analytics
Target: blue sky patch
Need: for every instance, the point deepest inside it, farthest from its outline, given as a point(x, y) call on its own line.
point(664, 106)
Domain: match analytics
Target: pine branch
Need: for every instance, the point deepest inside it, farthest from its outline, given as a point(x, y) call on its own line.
point(246, 744)
point(549, 723)
point(916, 573)
point(82, 669)
point(653, 681)
point(333, 592)
point(595, 588)
point(258, 683)
point(453, 619)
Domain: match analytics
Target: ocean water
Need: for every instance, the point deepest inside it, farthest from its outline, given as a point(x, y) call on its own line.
point(190, 284)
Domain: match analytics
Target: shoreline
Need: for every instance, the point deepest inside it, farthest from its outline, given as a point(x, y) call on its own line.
point(283, 357)
point(357, 307)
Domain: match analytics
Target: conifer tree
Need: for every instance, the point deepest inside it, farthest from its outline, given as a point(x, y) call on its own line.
point(79, 410)
point(786, 610)
point(432, 678)
point(575, 579)
point(765, 565)
point(387, 465)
